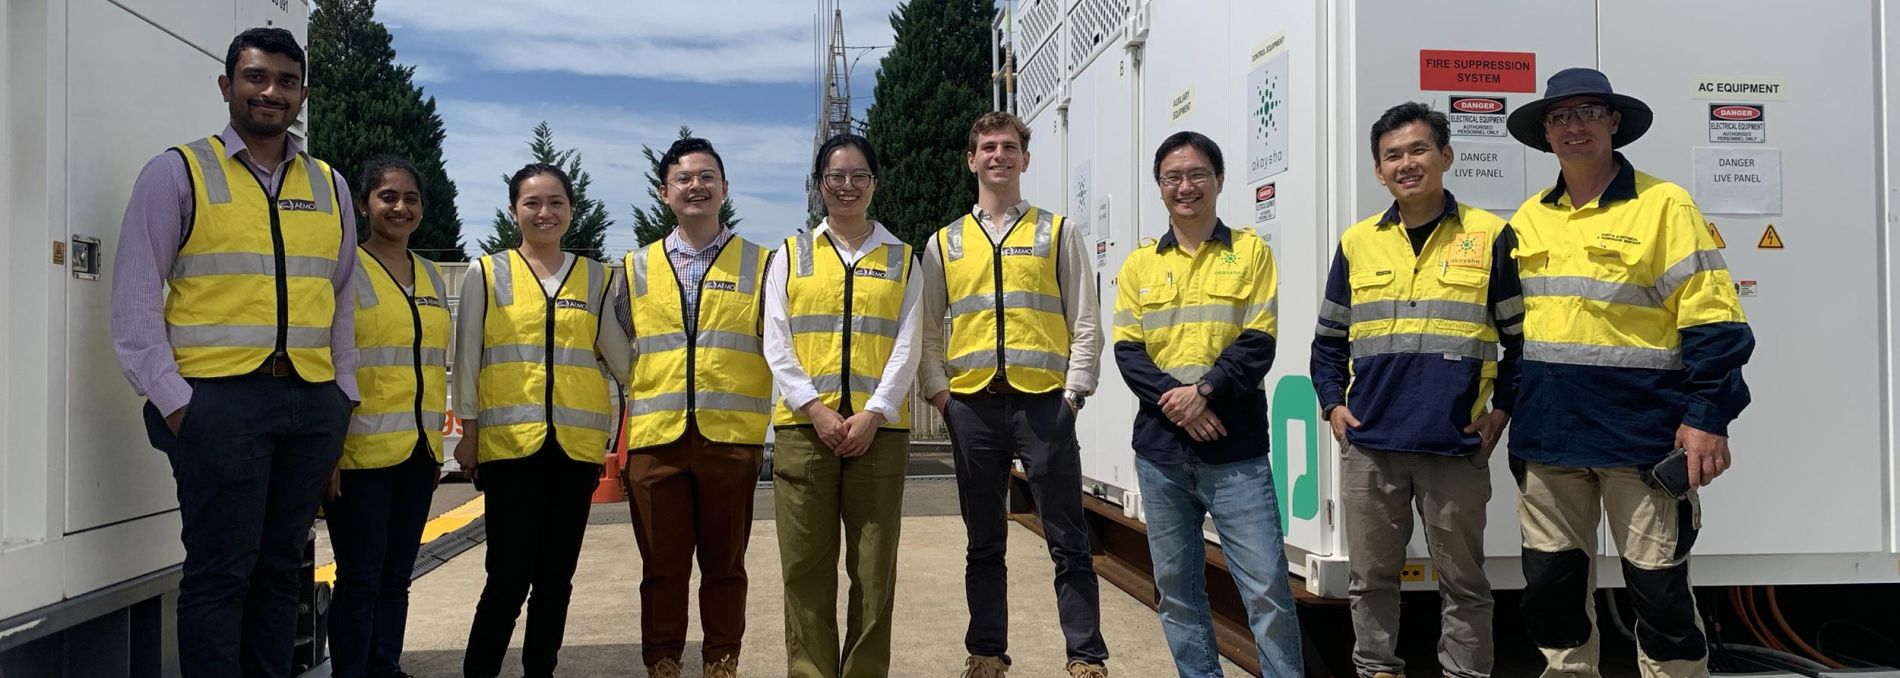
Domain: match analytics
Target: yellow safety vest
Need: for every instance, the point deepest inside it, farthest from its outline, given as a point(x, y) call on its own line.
point(402, 351)
point(1006, 320)
point(1188, 308)
point(253, 277)
point(819, 296)
point(1435, 302)
point(526, 336)
point(716, 376)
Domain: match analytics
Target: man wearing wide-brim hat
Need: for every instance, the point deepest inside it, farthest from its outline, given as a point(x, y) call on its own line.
point(1634, 342)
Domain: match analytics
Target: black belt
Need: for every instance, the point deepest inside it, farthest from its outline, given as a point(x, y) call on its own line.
point(276, 366)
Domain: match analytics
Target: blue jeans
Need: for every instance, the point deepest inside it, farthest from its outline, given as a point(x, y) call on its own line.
point(1239, 495)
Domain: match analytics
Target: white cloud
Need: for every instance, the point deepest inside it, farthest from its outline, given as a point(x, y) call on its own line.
point(719, 41)
point(766, 162)
point(430, 73)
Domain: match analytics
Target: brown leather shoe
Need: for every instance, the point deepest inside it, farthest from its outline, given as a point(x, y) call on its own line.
point(1383, 674)
point(726, 667)
point(667, 668)
point(1082, 669)
point(984, 667)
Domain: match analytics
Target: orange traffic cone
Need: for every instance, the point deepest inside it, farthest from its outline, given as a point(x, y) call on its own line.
point(609, 490)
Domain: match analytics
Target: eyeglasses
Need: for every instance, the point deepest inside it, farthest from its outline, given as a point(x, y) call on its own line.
point(1558, 117)
point(836, 180)
point(1197, 177)
point(685, 180)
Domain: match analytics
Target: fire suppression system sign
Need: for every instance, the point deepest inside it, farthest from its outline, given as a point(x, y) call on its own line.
point(1442, 70)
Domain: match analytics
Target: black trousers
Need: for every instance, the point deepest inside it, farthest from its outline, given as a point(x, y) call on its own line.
point(988, 431)
point(375, 526)
point(536, 516)
point(251, 461)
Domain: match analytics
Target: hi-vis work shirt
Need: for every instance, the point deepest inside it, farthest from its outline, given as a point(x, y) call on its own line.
point(1183, 319)
point(711, 378)
point(1070, 280)
point(402, 342)
point(1632, 326)
point(1408, 339)
point(826, 307)
point(158, 220)
point(474, 350)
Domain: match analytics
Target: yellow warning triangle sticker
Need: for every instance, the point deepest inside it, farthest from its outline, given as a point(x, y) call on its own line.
point(1770, 240)
point(1717, 234)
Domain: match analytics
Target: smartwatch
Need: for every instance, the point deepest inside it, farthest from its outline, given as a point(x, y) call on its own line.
point(1205, 389)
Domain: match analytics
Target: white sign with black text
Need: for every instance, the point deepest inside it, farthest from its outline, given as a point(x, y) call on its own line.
point(1487, 174)
point(1738, 180)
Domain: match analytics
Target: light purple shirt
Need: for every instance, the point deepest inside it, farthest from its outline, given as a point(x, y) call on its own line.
point(149, 238)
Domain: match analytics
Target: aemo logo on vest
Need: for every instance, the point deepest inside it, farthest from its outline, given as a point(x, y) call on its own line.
point(291, 205)
point(570, 303)
point(879, 273)
point(722, 285)
point(429, 301)
point(1019, 251)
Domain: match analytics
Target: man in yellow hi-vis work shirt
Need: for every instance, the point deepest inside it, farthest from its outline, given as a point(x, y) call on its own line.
point(1634, 342)
point(1195, 326)
point(1403, 356)
point(232, 315)
point(1018, 361)
point(698, 405)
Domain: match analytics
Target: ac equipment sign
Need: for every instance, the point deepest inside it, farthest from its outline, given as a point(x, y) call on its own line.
point(1477, 116)
point(1738, 124)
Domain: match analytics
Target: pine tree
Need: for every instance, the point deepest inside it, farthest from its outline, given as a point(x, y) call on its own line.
point(932, 84)
point(654, 222)
point(587, 236)
point(362, 104)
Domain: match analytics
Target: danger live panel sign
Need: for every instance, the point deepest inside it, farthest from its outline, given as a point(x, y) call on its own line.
point(1472, 71)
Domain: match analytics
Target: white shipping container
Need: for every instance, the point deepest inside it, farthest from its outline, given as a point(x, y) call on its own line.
point(1290, 88)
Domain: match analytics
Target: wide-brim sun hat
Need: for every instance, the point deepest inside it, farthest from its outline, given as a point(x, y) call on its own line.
point(1527, 122)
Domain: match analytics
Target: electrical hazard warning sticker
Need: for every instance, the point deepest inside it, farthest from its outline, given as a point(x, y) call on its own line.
point(1738, 124)
point(1716, 233)
point(1263, 204)
point(1770, 240)
point(1476, 116)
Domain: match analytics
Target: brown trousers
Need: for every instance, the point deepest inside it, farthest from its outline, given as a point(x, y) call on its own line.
point(692, 495)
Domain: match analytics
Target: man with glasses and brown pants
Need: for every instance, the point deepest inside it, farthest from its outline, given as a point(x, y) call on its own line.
point(1634, 342)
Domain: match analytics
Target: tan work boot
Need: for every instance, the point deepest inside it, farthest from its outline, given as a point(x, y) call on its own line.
point(726, 667)
point(984, 667)
point(1383, 674)
point(1082, 669)
point(667, 668)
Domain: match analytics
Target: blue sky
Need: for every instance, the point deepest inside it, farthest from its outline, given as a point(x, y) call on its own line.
point(612, 76)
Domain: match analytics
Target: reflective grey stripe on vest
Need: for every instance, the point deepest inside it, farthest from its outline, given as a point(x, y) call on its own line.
point(394, 422)
point(596, 282)
point(531, 353)
point(953, 241)
point(246, 336)
point(894, 261)
point(1014, 357)
point(803, 244)
point(365, 290)
point(1188, 374)
point(502, 265)
point(435, 277)
point(1510, 308)
point(1697, 262)
point(1324, 330)
point(1126, 319)
point(1335, 312)
point(749, 267)
point(393, 356)
point(828, 324)
point(1603, 356)
point(1592, 289)
point(1045, 230)
point(1434, 309)
point(1034, 301)
point(832, 383)
point(638, 272)
point(1430, 344)
point(319, 184)
point(676, 341)
point(1170, 316)
point(537, 414)
point(248, 263)
point(676, 402)
point(217, 190)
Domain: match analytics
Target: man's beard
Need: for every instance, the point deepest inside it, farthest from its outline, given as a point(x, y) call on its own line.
point(250, 124)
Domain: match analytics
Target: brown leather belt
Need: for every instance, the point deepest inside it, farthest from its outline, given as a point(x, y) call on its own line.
point(1000, 386)
point(276, 366)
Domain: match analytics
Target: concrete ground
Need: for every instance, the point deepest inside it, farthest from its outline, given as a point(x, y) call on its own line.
point(603, 623)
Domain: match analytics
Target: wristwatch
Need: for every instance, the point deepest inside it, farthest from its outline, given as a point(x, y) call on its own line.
point(1205, 389)
point(1075, 398)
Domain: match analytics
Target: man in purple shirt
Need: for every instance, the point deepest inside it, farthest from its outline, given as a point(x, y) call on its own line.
point(232, 314)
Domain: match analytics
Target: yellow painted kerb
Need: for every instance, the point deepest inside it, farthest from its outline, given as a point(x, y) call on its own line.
point(450, 521)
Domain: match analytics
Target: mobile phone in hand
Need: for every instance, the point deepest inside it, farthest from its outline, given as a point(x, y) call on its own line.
point(1671, 475)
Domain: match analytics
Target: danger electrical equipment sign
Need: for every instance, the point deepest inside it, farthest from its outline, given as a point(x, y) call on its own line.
point(1467, 71)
